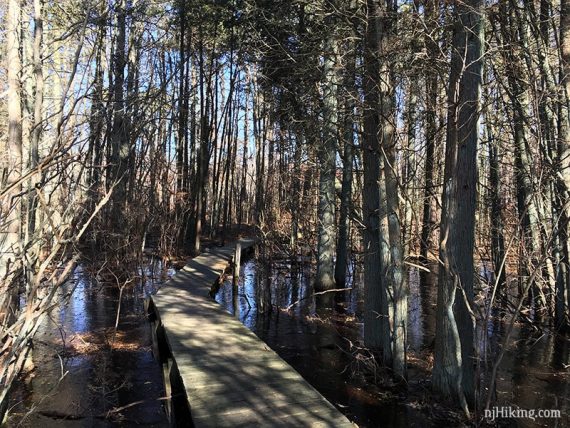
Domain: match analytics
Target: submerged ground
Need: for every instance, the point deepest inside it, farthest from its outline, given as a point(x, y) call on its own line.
point(87, 373)
point(321, 336)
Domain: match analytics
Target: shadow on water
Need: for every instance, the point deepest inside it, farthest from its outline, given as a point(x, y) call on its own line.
point(86, 375)
point(312, 337)
point(316, 334)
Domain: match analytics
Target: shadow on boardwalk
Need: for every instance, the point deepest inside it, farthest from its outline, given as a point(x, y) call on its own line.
point(230, 377)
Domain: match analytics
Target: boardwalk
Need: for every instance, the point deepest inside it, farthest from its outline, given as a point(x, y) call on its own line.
point(231, 377)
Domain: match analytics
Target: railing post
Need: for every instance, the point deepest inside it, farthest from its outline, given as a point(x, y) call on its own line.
point(237, 261)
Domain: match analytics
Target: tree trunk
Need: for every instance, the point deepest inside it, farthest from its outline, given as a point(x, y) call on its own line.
point(563, 174)
point(394, 274)
point(526, 195)
point(327, 157)
point(259, 133)
point(453, 373)
point(345, 197)
point(181, 143)
point(497, 223)
point(243, 199)
point(38, 110)
point(376, 316)
point(120, 150)
point(430, 202)
point(97, 114)
point(10, 221)
point(10, 173)
point(350, 94)
point(133, 104)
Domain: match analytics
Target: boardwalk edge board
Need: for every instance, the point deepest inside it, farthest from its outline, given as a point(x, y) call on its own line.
point(218, 373)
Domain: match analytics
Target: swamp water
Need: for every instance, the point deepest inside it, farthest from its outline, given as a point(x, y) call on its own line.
point(87, 375)
point(113, 380)
point(320, 334)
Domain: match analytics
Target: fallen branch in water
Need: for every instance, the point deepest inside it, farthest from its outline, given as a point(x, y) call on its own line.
point(115, 410)
point(288, 308)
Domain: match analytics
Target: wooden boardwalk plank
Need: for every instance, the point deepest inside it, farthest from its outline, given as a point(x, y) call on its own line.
point(230, 376)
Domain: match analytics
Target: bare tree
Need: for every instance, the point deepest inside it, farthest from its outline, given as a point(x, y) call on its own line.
point(453, 372)
point(327, 156)
point(563, 174)
point(10, 220)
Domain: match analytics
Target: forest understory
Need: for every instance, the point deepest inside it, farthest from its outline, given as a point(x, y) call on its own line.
point(404, 165)
point(93, 360)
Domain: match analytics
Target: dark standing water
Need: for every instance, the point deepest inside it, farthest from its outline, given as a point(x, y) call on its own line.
point(318, 342)
point(85, 374)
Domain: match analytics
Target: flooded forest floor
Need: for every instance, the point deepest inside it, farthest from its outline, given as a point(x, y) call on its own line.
point(92, 359)
point(94, 368)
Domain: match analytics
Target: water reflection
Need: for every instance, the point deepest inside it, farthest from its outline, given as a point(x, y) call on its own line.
point(314, 337)
point(82, 370)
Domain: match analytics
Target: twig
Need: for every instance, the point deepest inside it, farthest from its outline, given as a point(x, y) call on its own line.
point(425, 269)
point(107, 414)
point(316, 294)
